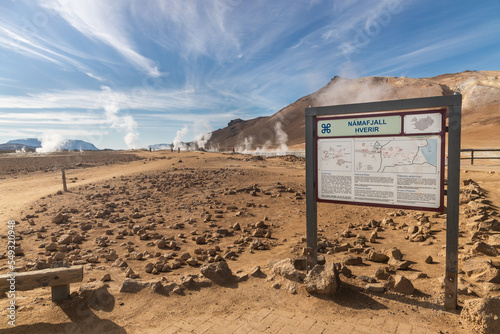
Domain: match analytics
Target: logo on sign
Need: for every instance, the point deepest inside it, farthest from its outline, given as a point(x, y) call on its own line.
point(326, 128)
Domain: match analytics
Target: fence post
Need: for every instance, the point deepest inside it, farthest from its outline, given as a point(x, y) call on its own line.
point(472, 157)
point(64, 179)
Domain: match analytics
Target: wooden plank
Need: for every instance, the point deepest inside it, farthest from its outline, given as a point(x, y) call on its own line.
point(39, 278)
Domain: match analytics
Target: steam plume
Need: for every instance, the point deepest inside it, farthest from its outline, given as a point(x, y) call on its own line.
point(203, 132)
point(178, 138)
point(281, 138)
point(51, 142)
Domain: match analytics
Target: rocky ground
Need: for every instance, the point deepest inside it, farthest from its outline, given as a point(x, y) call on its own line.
point(216, 234)
point(15, 164)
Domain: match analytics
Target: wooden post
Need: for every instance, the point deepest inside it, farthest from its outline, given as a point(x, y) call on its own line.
point(472, 157)
point(65, 188)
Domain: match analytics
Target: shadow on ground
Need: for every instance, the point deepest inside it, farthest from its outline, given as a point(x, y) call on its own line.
point(83, 321)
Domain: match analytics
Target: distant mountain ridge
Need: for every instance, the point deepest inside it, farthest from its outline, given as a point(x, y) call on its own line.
point(480, 109)
point(33, 143)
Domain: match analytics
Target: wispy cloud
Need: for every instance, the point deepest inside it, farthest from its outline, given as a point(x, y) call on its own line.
point(103, 21)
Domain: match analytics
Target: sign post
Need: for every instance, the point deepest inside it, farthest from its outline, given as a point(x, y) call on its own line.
point(389, 154)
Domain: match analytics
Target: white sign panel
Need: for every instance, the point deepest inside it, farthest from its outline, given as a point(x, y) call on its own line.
point(404, 170)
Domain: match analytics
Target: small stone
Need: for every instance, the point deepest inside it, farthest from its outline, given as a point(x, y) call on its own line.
point(65, 239)
point(119, 262)
point(51, 247)
point(382, 273)
point(257, 272)
point(323, 280)
point(402, 285)
point(482, 315)
point(345, 271)
point(395, 253)
point(106, 277)
point(398, 265)
point(375, 287)
point(129, 272)
point(133, 286)
point(377, 257)
point(286, 269)
point(219, 272)
point(149, 268)
point(352, 260)
point(429, 260)
point(485, 249)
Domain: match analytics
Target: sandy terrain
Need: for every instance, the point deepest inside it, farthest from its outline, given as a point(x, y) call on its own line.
point(190, 203)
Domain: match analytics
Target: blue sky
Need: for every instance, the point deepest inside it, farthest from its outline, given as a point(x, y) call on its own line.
point(124, 74)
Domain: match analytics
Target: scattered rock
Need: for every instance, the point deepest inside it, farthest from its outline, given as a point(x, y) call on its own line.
point(398, 265)
point(257, 272)
point(286, 269)
point(129, 272)
point(377, 257)
point(395, 253)
point(375, 287)
point(481, 270)
point(133, 285)
point(401, 284)
point(485, 249)
point(482, 315)
point(382, 273)
point(120, 263)
point(65, 239)
point(219, 272)
point(106, 277)
point(352, 260)
point(323, 279)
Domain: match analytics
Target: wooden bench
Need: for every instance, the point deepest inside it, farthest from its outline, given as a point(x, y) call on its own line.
point(57, 278)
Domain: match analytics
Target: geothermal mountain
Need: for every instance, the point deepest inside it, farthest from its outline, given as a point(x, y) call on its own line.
point(480, 109)
point(33, 143)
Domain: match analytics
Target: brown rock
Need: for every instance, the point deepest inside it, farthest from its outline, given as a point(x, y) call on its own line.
point(395, 253)
point(106, 277)
point(219, 272)
point(485, 249)
point(352, 260)
point(403, 285)
point(65, 239)
point(398, 265)
point(482, 315)
point(323, 279)
point(375, 287)
point(286, 269)
point(119, 262)
point(382, 273)
point(377, 257)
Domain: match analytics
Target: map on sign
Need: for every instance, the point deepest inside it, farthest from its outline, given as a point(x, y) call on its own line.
point(387, 160)
point(396, 154)
point(337, 157)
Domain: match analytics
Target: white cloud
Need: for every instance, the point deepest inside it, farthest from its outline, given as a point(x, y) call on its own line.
point(104, 21)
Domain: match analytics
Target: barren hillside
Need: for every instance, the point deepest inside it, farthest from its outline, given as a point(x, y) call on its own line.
point(481, 108)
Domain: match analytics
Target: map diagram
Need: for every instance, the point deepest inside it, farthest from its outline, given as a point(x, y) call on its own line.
point(336, 156)
point(398, 154)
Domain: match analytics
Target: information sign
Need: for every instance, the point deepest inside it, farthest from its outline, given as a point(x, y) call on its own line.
point(389, 160)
